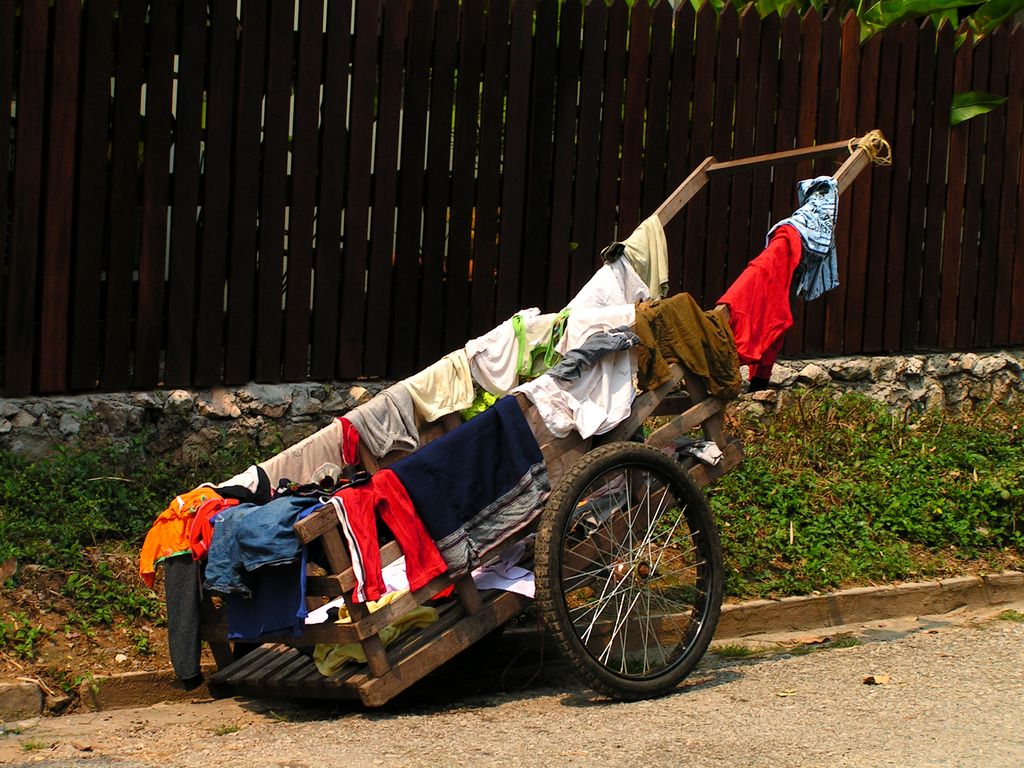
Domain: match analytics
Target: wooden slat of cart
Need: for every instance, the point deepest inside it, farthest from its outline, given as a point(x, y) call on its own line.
point(941, 134)
point(488, 204)
point(826, 128)
point(209, 331)
point(540, 154)
point(334, 170)
point(357, 209)
point(405, 310)
point(903, 146)
point(156, 182)
point(797, 102)
point(513, 187)
point(917, 194)
point(245, 197)
point(559, 252)
point(273, 199)
point(26, 203)
point(584, 256)
point(1009, 204)
point(184, 229)
point(611, 123)
point(124, 184)
point(633, 118)
point(60, 186)
point(679, 158)
point(874, 263)
point(435, 216)
point(994, 173)
point(385, 186)
point(657, 136)
point(740, 208)
point(967, 286)
point(460, 245)
point(305, 156)
point(956, 176)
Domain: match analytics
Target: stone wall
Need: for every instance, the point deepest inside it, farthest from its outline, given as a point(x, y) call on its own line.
point(183, 423)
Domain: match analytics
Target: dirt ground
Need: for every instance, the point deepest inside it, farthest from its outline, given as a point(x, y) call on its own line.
point(949, 695)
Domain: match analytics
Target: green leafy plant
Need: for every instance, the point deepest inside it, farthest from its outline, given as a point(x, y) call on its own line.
point(971, 104)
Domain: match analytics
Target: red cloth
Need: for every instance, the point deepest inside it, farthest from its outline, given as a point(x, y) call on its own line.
point(349, 442)
point(759, 311)
point(385, 495)
point(200, 532)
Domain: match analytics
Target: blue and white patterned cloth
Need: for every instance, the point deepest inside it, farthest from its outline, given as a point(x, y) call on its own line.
point(815, 220)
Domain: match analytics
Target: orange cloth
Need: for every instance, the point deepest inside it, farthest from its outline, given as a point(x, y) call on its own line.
point(169, 534)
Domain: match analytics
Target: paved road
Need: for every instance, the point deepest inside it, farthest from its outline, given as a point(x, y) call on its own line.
point(954, 698)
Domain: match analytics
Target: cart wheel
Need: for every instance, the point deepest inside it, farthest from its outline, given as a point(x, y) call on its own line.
point(629, 570)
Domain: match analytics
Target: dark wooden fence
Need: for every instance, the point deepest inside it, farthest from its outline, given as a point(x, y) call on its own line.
point(354, 188)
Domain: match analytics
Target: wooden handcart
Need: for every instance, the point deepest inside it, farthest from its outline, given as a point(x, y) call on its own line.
point(627, 557)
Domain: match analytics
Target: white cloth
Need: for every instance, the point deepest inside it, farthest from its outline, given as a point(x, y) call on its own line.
point(647, 251)
point(442, 388)
point(584, 322)
point(592, 404)
point(493, 357)
point(613, 284)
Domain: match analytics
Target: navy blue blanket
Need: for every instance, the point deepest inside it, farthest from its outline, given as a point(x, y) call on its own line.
point(477, 484)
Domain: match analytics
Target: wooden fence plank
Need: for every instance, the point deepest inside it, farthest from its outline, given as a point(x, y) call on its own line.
point(680, 159)
point(569, 30)
point(1016, 334)
point(410, 196)
point(273, 198)
point(876, 264)
point(385, 186)
point(717, 253)
point(657, 138)
point(28, 159)
point(124, 184)
point(903, 152)
point(931, 274)
point(513, 186)
point(363, 110)
point(431, 336)
point(7, 22)
point(694, 268)
point(209, 336)
point(155, 193)
point(584, 255)
point(611, 124)
point(60, 186)
point(770, 126)
point(532, 292)
point(185, 203)
point(1012, 181)
point(816, 313)
point(305, 158)
point(333, 173)
point(245, 197)
point(740, 208)
point(835, 310)
point(797, 112)
point(917, 195)
point(953, 230)
point(967, 286)
point(997, 157)
point(633, 118)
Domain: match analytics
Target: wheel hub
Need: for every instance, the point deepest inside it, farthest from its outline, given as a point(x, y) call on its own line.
point(641, 571)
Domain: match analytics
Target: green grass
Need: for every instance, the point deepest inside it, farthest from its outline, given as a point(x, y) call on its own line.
point(868, 496)
point(224, 730)
point(736, 651)
point(1011, 615)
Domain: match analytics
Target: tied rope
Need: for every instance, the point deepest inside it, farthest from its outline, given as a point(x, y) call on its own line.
point(874, 143)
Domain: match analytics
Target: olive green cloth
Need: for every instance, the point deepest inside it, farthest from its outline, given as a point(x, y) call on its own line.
point(677, 330)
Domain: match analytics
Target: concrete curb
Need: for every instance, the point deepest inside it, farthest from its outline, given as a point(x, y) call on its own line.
point(790, 614)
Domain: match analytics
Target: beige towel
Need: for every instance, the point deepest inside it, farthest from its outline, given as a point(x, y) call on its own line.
point(443, 388)
point(647, 252)
point(298, 462)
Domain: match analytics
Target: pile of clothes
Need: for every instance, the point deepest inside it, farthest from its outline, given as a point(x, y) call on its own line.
point(453, 502)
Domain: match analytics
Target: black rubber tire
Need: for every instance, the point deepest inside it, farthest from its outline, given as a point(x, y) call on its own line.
point(569, 527)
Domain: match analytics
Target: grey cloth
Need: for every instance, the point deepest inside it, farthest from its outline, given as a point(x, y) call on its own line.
point(387, 422)
point(181, 588)
point(571, 366)
point(815, 220)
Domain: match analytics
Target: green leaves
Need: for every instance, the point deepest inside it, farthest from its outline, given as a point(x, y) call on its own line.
point(970, 104)
point(888, 12)
point(993, 13)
